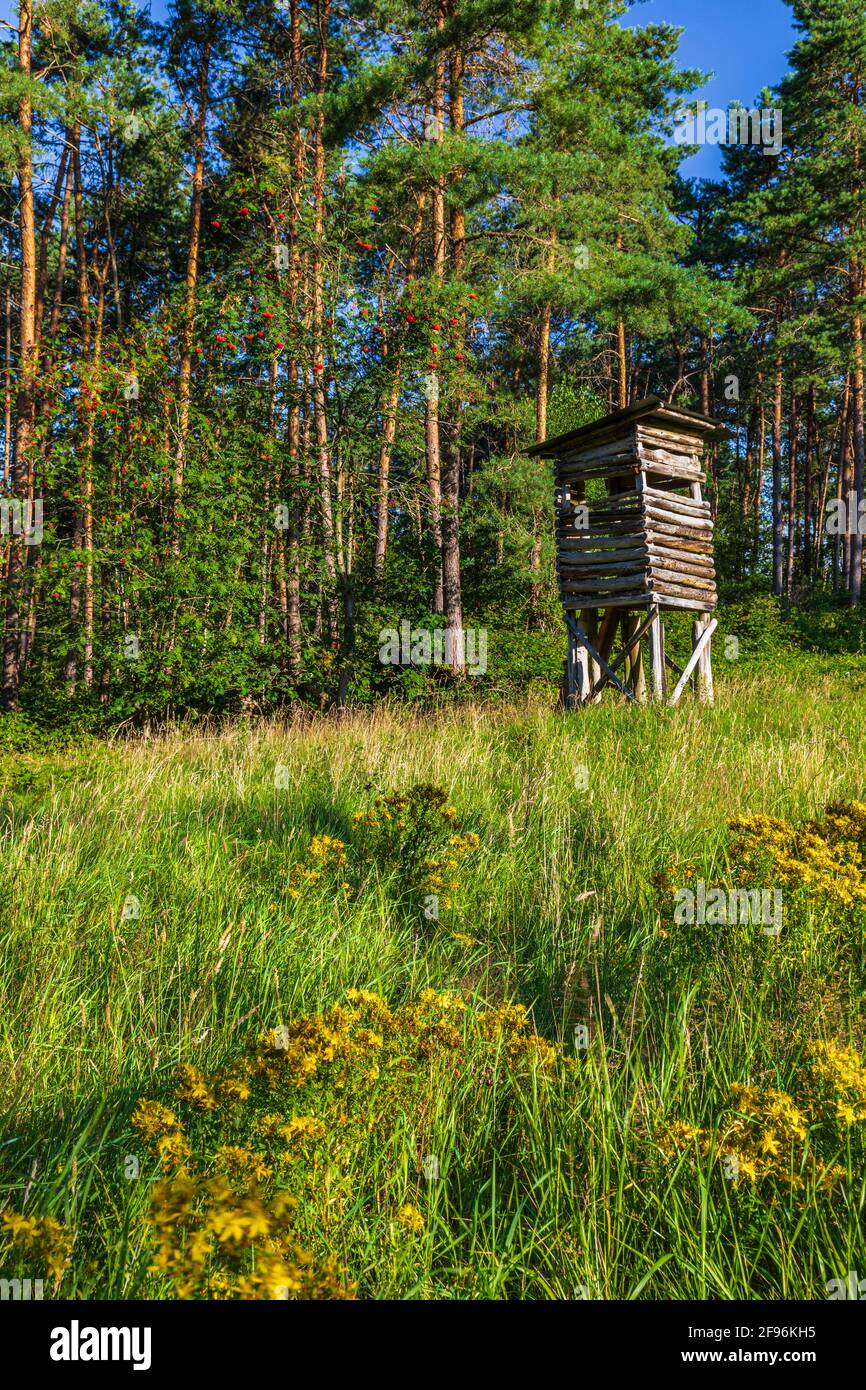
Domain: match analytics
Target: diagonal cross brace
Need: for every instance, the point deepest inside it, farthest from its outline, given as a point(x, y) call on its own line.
point(632, 641)
point(580, 636)
point(693, 659)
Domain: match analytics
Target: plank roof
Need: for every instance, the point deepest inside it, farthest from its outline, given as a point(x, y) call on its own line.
point(653, 410)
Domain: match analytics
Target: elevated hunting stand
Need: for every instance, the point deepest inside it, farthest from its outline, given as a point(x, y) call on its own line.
point(639, 547)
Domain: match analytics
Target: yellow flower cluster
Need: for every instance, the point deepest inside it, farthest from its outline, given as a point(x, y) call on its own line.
point(411, 1219)
point(411, 837)
point(509, 1025)
point(840, 1077)
point(222, 1239)
point(328, 851)
point(42, 1237)
point(160, 1128)
point(414, 835)
point(404, 809)
point(824, 857)
point(440, 873)
point(242, 1163)
point(771, 1134)
point(329, 860)
point(293, 1118)
point(845, 821)
point(464, 939)
point(193, 1088)
point(296, 1131)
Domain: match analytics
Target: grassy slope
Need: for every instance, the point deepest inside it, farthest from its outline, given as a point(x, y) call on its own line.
point(96, 1011)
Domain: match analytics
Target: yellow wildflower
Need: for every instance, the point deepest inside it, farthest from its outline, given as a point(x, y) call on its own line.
point(411, 1219)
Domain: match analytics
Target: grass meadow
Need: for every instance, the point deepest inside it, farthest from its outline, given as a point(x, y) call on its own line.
point(254, 1042)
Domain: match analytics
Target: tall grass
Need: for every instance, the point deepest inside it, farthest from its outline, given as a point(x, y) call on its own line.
point(555, 1189)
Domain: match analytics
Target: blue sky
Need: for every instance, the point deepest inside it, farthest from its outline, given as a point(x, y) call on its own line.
point(743, 42)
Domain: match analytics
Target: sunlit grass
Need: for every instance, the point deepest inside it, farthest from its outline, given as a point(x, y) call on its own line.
point(146, 922)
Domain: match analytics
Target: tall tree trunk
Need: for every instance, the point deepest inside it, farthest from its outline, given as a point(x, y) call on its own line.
point(383, 478)
point(856, 574)
point(778, 519)
point(431, 410)
point(27, 361)
point(451, 578)
point(42, 272)
point(87, 477)
point(541, 396)
point(294, 632)
point(187, 333)
point(266, 559)
point(622, 362)
point(838, 555)
point(80, 249)
point(857, 277)
point(541, 399)
point(680, 355)
point(793, 443)
point(705, 375)
point(807, 483)
point(846, 480)
point(60, 274)
point(749, 468)
point(389, 415)
point(47, 354)
point(72, 654)
point(318, 313)
point(7, 373)
point(818, 565)
point(762, 456)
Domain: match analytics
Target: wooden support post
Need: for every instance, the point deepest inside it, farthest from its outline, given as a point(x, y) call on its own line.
point(704, 685)
point(607, 632)
point(697, 633)
point(655, 641)
point(570, 668)
point(578, 684)
point(625, 656)
point(701, 642)
point(634, 630)
point(584, 684)
point(589, 619)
